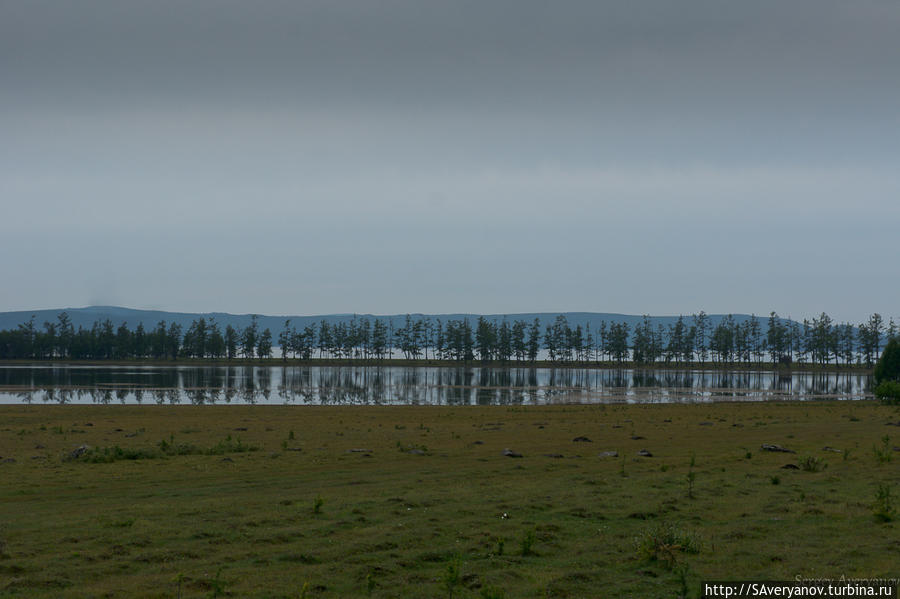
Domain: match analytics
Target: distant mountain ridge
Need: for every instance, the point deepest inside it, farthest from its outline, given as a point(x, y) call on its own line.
point(86, 317)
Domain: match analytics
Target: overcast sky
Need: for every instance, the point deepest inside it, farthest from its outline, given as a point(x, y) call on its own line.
point(292, 157)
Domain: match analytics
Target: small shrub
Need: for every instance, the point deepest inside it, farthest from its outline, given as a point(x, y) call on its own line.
point(178, 579)
point(290, 435)
point(492, 593)
point(217, 585)
point(812, 464)
point(451, 576)
point(318, 502)
point(883, 453)
point(528, 543)
point(664, 541)
point(691, 477)
point(888, 392)
point(230, 445)
point(500, 544)
point(775, 480)
point(883, 507)
point(748, 455)
point(683, 580)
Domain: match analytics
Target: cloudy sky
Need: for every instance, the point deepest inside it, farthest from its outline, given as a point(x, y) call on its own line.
point(486, 156)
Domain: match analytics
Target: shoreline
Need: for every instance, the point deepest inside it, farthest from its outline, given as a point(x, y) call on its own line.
point(433, 363)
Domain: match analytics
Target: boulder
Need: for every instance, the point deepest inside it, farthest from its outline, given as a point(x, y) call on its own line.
point(645, 454)
point(78, 452)
point(511, 454)
point(608, 454)
point(773, 447)
point(581, 440)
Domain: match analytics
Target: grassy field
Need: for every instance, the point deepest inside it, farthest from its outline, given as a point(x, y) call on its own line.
point(252, 501)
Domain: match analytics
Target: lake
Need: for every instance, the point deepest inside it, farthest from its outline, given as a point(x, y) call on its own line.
point(397, 385)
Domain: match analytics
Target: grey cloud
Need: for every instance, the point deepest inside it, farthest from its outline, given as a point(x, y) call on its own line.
point(646, 156)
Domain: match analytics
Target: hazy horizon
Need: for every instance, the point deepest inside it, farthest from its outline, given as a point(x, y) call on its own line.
point(506, 157)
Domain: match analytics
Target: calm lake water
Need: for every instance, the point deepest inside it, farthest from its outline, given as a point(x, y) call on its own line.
point(373, 385)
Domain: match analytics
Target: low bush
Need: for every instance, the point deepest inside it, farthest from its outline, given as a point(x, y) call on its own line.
point(812, 464)
point(883, 508)
point(888, 392)
point(165, 448)
point(664, 541)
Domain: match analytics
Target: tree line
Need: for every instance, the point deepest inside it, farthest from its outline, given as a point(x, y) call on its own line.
point(690, 340)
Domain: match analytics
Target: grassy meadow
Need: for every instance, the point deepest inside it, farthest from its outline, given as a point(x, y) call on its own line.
point(288, 501)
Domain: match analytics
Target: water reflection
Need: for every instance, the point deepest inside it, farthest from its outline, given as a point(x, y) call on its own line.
point(357, 385)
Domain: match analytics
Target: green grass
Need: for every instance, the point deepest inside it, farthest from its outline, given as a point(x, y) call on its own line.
point(214, 518)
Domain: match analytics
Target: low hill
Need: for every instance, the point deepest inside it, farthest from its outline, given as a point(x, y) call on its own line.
point(86, 317)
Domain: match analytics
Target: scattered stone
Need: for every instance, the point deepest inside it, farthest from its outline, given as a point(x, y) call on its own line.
point(706, 424)
point(478, 443)
point(827, 448)
point(773, 447)
point(737, 424)
point(581, 440)
point(790, 467)
point(645, 454)
point(227, 460)
point(293, 449)
point(553, 455)
point(78, 452)
point(638, 438)
point(617, 426)
point(511, 454)
point(117, 430)
point(667, 420)
point(892, 423)
point(416, 452)
point(88, 424)
point(38, 457)
point(9, 461)
point(241, 428)
point(541, 426)
point(39, 446)
point(608, 454)
point(359, 451)
point(131, 434)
